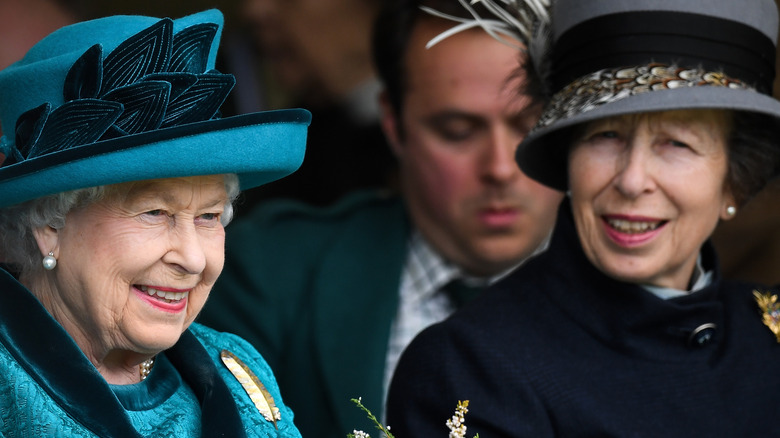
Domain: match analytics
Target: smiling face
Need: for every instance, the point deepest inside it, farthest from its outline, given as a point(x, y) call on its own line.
point(461, 121)
point(648, 190)
point(135, 269)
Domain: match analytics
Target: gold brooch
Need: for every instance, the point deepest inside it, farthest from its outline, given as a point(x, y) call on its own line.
point(252, 385)
point(771, 311)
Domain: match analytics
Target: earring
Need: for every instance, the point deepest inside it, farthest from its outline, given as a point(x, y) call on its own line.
point(731, 210)
point(49, 262)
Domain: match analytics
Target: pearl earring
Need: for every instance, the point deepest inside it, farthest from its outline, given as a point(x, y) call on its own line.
point(49, 262)
point(731, 210)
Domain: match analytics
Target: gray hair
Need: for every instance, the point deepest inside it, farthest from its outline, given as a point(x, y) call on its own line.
point(18, 247)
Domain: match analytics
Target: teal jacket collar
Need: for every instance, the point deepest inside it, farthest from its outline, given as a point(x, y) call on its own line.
point(49, 355)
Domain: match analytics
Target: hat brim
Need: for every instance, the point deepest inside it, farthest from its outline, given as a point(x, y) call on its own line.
point(259, 148)
point(543, 154)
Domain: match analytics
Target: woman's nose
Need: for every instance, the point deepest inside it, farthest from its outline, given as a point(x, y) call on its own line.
point(186, 251)
point(633, 173)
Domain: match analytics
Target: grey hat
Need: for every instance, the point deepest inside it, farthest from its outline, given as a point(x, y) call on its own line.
point(613, 57)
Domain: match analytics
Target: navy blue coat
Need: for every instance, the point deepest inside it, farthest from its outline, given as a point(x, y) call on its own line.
point(558, 349)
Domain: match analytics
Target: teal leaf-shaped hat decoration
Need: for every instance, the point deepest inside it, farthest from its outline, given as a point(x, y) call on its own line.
point(29, 127)
point(151, 80)
point(75, 123)
point(191, 48)
point(146, 52)
point(180, 82)
point(84, 77)
point(201, 101)
point(144, 105)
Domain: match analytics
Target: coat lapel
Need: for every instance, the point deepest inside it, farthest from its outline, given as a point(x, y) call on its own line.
point(49, 355)
point(355, 300)
point(219, 414)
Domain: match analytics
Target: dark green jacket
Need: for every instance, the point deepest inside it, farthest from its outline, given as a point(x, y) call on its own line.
point(315, 291)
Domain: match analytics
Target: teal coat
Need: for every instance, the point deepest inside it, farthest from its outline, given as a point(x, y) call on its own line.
point(315, 291)
point(48, 387)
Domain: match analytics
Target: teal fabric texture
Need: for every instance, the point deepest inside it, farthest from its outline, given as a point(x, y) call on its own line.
point(49, 388)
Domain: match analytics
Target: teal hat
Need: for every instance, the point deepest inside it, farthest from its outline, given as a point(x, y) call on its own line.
point(129, 98)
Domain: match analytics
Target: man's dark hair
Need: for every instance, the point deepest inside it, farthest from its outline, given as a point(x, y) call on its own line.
point(392, 31)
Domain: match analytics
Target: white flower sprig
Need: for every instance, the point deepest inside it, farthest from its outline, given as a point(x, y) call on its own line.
point(359, 433)
point(456, 424)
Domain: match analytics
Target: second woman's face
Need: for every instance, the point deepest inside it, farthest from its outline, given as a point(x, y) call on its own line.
point(136, 268)
point(648, 190)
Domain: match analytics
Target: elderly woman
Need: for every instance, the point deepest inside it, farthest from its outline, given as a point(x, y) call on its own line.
point(661, 125)
point(116, 181)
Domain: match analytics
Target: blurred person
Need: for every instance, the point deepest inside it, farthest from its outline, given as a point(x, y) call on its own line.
point(317, 55)
point(358, 280)
point(24, 22)
point(115, 188)
point(625, 327)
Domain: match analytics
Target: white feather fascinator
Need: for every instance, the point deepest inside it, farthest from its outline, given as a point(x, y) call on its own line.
point(524, 24)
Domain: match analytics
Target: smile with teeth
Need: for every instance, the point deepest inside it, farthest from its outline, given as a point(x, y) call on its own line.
point(168, 296)
point(633, 227)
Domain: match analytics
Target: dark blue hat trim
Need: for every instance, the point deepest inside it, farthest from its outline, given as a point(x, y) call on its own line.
point(45, 161)
point(153, 80)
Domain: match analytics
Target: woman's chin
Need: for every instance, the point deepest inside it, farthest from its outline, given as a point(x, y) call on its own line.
point(644, 275)
point(155, 345)
point(153, 338)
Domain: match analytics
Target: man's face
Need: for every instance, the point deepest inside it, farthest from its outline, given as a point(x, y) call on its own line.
point(461, 121)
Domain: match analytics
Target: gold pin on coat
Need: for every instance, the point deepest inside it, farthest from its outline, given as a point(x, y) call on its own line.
point(771, 311)
point(252, 385)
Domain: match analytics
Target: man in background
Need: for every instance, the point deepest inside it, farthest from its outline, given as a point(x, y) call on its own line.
point(316, 54)
point(332, 296)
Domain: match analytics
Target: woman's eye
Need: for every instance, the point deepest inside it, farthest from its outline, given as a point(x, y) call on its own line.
point(210, 216)
point(605, 134)
point(208, 219)
point(678, 144)
point(154, 213)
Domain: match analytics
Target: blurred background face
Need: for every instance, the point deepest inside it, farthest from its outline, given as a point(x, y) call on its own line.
point(314, 45)
point(25, 22)
point(461, 122)
point(648, 190)
point(136, 268)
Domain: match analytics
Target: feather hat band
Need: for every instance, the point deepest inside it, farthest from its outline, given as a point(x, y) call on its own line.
point(603, 58)
point(128, 98)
